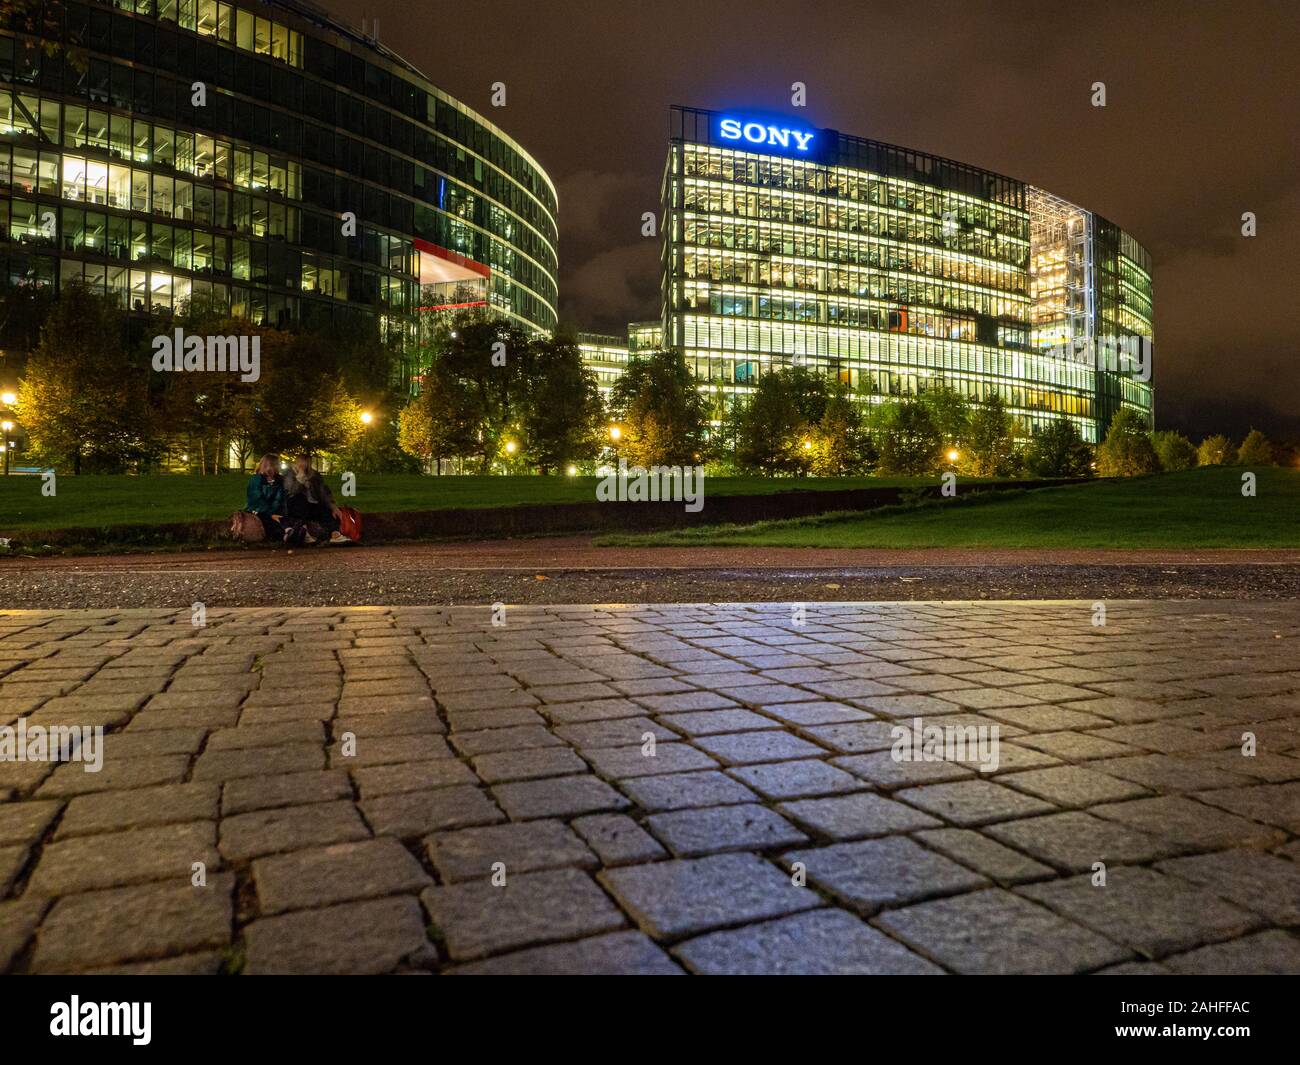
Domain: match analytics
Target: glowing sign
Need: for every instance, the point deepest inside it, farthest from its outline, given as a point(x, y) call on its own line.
point(775, 137)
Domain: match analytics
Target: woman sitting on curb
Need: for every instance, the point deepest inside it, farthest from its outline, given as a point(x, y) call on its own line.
point(311, 513)
point(265, 495)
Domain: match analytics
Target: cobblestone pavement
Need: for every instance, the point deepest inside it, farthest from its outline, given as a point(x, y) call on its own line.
point(699, 788)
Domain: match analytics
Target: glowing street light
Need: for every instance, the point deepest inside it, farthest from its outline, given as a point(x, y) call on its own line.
point(807, 445)
point(366, 417)
point(953, 456)
point(8, 399)
point(511, 447)
point(573, 471)
point(615, 432)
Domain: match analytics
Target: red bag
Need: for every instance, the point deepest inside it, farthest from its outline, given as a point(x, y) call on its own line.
point(350, 524)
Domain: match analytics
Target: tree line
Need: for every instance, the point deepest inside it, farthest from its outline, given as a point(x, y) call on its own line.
point(490, 398)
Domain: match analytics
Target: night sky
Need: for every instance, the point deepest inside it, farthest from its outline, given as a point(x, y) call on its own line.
point(1200, 125)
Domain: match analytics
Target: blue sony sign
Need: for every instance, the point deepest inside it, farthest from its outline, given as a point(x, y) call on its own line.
point(771, 136)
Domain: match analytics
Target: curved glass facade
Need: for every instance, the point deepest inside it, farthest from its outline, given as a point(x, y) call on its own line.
point(160, 150)
point(892, 270)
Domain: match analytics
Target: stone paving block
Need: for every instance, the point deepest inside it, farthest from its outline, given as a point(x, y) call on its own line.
point(88, 863)
point(71, 778)
point(855, 816)
point(974, 802)
point(137, 923)
point(115, 811)
point(282, 734)
point(688, 833)
point(494, 699)
point(204, 963)
point(389, 750)
point(1271, 953)
point(289, 828)
point(1273, 804)
point(681, 897)
point(340, 872)
point(1189, 823)
point(411, 776)
point(1262, 883)
point(417, 813)
point(676, 791)
point(798, 779)
point(815, 713)
point(627, 953)
point(221, 765)
point(614, 732)
point(490, 741)
point(245, 794)
point(854, 737)
point(528, 765)
point(476, 919)
point(884, 771)
point(984, 855)
point(617, 839)
point(12, 860)
point(18, 921)
point(683, 702)
point(211, 717)
point(593, 710)
point(994, 931)
point(1155, 914)
point(385, 705)
point(152, 742)
point(25, 822)
point(712, 722)
point(1073, 786)
point(471, 853)
point(1075, 746)
point(748, 748)
point(374, 936)
point(1072, 842)
point(557, 797)
point(870, 874)
point(817, 943)
point(622, 762)
point(476, 720)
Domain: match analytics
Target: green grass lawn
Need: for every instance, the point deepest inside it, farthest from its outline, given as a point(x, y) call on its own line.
point(1199, 508)
point(96, 502)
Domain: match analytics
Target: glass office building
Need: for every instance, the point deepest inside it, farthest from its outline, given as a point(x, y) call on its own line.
point(894, 271)
point(117, 171)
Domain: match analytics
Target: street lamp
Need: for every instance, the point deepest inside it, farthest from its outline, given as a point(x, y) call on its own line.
point(953, 455)
point(366, 417)
point(8, 399)
point(7, 428)
point(511, 447)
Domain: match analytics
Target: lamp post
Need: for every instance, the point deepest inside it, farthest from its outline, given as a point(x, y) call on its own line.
point(7, 399)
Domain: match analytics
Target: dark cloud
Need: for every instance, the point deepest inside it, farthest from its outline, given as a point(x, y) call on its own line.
point(1199, 126)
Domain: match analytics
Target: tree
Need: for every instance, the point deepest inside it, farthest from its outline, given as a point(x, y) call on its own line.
point(990, 448)
point(84, 399)
point(841, 445)
point(1127, 450)
point(1255, 450)
point(773, 429)
point(1174, 451)
point(1215, 450)
point(951, 413)
point(441, 422)
point(563, 416)
point(1059, 451)
point(907, 438)
point(663, 417)
point(299, 403)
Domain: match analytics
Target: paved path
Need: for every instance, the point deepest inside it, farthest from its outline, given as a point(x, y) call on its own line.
point(708, 788)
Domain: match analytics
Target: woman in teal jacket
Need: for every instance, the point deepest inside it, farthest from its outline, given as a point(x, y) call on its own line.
point(265, 496)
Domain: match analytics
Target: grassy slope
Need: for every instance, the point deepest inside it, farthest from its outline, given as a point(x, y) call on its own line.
point(1199, 508)
point(95, 502)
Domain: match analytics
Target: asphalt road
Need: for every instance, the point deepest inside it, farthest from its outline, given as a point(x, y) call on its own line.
point(571, 570)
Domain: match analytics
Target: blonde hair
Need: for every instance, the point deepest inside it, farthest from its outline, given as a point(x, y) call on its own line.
point(305, 462)
point(269, 464)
